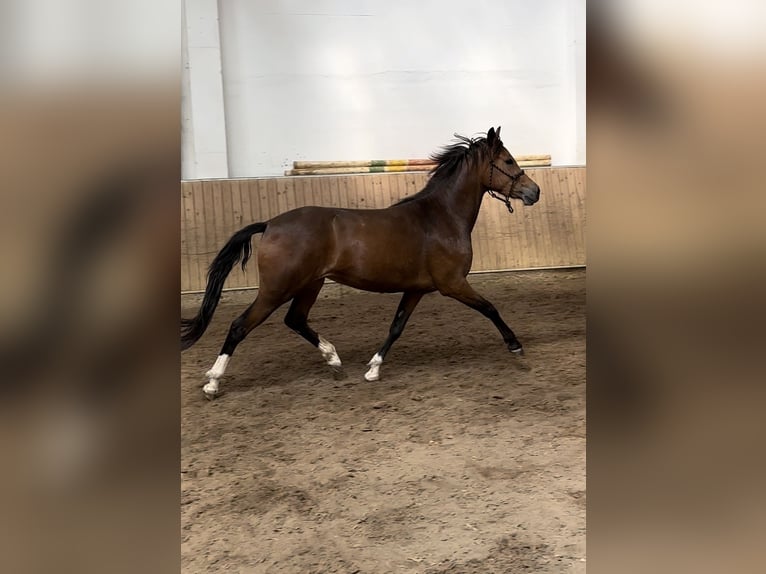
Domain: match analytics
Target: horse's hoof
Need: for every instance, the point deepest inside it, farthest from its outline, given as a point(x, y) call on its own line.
point(519, 351)
point(211, 396)
point(338, 372)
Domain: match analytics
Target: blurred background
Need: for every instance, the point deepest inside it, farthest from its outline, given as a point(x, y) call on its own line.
point(90, 132)
point(90, 140)
point(676, 245)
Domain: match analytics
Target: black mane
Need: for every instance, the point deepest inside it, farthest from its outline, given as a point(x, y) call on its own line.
point(449, 161)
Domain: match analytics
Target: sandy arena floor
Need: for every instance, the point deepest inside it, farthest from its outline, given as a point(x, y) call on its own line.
point(463, 458)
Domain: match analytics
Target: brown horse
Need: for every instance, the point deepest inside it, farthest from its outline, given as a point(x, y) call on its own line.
point(416, 246)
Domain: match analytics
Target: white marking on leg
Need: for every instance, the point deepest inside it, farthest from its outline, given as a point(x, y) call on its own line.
point(215, 374)
point(211, 387)
point(328, 352)
point(219, 367)
point(374, 373)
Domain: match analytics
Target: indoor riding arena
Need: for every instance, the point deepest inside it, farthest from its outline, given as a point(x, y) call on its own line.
point(463, 457)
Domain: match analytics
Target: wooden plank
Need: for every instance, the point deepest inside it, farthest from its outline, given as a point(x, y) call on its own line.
point(185, 237)
point(392, 190)
point(208, 224)
point(332, 182)
point(325, 192)
point(344, 186)
point(220, 234)
point(199, 234)
point(364, 200)
point(567, 197)
point(276, 189)
point(260, 213)
point(269, 202)
point(378, 194)
point(412, 184)
point(580, 217)
point(244, 217)
point(317, 193)
point(547, 221)
point(356, 191)
point(291, 193)
point(228, 227)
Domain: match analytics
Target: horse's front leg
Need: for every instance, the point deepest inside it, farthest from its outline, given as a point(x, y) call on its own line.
point(463, 292)
point(406, 307)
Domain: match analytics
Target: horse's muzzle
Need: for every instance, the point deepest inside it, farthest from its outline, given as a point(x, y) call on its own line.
point(530, 195)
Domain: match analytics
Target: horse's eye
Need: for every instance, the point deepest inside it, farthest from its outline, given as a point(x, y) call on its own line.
point(509, 161)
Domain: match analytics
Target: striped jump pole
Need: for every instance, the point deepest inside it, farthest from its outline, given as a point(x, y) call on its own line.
point(390, 165)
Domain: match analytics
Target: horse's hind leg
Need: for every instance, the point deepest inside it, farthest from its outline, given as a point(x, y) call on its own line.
point(297, 320)
point(406, 307)
point(254, 315)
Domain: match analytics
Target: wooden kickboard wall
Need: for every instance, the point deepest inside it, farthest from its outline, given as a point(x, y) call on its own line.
point(550, 233)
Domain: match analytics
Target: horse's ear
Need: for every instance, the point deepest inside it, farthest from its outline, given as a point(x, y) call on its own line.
point(491, 136)
point(497, 132)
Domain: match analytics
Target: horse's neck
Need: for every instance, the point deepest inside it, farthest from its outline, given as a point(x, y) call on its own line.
point(462, 201)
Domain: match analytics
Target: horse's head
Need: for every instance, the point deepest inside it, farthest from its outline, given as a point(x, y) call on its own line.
point(503, 175)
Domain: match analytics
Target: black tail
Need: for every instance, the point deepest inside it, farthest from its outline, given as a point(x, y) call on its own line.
point(238, 247)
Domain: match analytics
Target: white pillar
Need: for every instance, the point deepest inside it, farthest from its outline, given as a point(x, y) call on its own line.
point(203, 122)
point(573, 89)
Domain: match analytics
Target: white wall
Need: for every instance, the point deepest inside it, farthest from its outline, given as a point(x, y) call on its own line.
point(203, 125)
point(373, 79)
